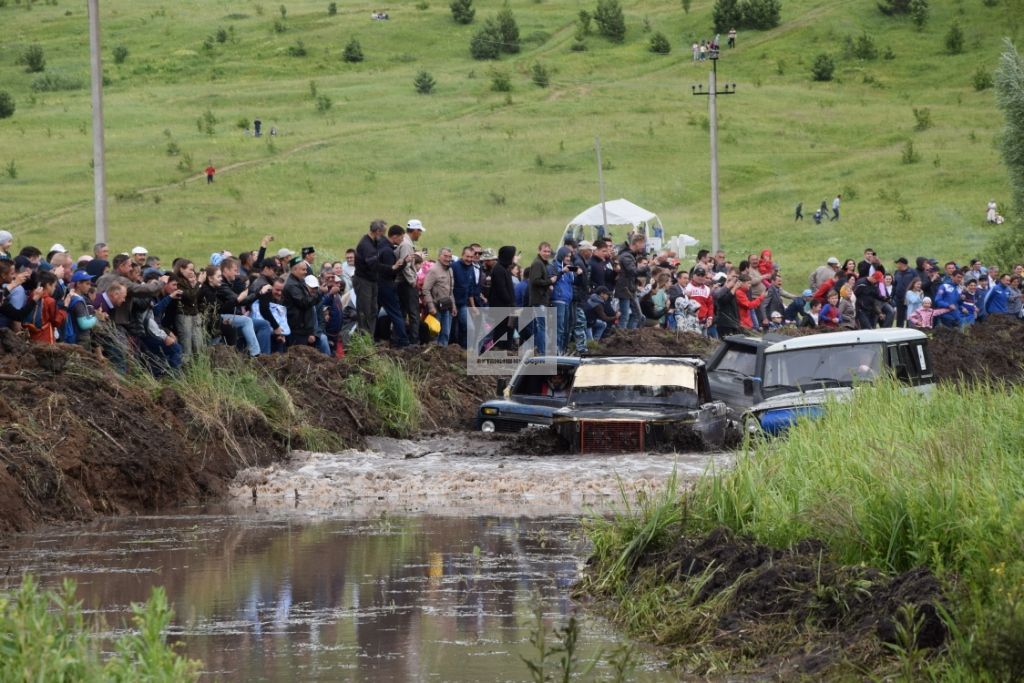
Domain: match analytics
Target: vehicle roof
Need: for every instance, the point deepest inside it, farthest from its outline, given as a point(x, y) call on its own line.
point(748, 340)
point(695, 361)
point(812, 341)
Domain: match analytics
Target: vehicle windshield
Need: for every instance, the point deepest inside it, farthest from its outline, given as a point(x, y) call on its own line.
point(829, 366)
point(636, 385)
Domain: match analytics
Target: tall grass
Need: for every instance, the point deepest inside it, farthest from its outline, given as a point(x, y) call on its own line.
point(44, 637)
point(385, 387)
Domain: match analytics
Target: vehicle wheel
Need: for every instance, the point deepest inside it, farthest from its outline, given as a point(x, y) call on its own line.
point(752, 426)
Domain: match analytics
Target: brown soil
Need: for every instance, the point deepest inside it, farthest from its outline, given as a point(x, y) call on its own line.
point(989, 350)
point(794, 611)
point(654, 341)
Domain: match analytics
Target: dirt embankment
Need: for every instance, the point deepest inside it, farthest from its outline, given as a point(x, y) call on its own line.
point(77, 439)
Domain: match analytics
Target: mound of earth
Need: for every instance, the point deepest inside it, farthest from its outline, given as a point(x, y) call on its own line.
point(989, 350)
point(654, 341)
point(794, 612)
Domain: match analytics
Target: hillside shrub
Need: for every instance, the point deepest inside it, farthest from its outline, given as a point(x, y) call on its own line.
point(323, 103)
point(894, 7)
point(955, 39)
point(909, 155)
point(578, 45)
point(33, 59)
point(919, 12)
point(583, 23)
point(686, 6)
point(120, 54)
point(500, 81)
point(752, 14)
point(424, 83)
point(6, 105)
point(280, 26)
point(823, 67)
point(1010, 98)
point(982, 79)
point(862, 47)
point(922, 119)
point(462, 11)
point(508, 31)
point(221, 35)
point(297, 50)
point(610, 21)
point(539, 75)
point(54, 81)
point(486, 42)
point(332, 9)
point(353, 52)
point(659, 44)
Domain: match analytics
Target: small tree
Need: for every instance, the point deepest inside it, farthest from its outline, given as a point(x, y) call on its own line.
point(686, 6)
point(659, 44)
point(33, 58)
point(919, 13)
point(120, 54)
point(221, 35)
point(323, 103)
point(509, 31)
point(864, 47)
point(823, 67)
point(982, 79)
point(332, 9)
point(894, 7)
point(486, 43)
point(6, 104)
point(500, 81)
point(609, 19)
point(922, 118)
point(955, 39)
point(353, 52)
point(760, 14)
point(726, 15)
point(584, 22)
point(424, 83)
point(539, 74)
point(462, 11)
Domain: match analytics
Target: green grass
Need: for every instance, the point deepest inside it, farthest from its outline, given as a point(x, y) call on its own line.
point(464, 159)
point(384, 386)
point(44, 637)
point(891, 480)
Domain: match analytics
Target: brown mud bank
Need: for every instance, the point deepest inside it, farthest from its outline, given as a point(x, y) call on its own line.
point(78, 440)
point(720, 599)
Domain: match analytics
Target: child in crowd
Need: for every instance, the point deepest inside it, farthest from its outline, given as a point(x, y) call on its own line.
point(914, 298)
point(922, 318)
point(830, 316)
point(47, 318)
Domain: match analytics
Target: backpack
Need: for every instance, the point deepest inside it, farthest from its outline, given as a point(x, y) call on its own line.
point(69, 332)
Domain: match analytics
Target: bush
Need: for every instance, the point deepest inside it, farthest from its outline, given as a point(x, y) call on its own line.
point(539, 75)
point(6, 105)
point(584, 22)
point(508, 30)
point(323, 103)
point(982, 79)
point(922, 118)
point(909, 156)
point(609, 19)
point(297, 50)
point(686, 6)
point(332, 9)
point(659, 44)
point(221, 35)
point(33, 59)
point(500, 81)
point(55, 81)
point(863, 47)
point(753, 14)
point(486, 43)
point(726, 15)
point(424, 83)
point(823, 67)
point(578, 45)
point(353, 52)
point(279, 26)
point(894, 7)
point(120, 54)
point(919, 12)
point(955, 39)
point(462, 11)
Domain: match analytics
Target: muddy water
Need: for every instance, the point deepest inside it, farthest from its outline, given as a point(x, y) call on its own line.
point(385, 568)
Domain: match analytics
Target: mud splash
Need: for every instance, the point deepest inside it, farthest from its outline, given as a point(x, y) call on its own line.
point(459, 474)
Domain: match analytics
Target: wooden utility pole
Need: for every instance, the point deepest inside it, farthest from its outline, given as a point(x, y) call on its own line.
point(600, 182)
point(98, 155)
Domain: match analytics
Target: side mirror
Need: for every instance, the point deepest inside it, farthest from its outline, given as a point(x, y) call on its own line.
point(748, 387)
point(502, 385)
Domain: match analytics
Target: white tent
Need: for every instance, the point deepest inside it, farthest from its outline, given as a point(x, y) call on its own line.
point(620, 212)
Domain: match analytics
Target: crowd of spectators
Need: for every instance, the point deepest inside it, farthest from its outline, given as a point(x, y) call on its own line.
point(131, 306)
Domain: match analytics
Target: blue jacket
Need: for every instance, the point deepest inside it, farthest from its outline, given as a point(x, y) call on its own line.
point(562, 292)
point(998, 299)
point(465, 285)
point(948, 296)
point(522, 290)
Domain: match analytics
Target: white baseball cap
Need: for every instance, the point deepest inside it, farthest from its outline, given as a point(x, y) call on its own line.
point(415, 224)
point(59, 247)
point(285, 253)
point(311, 281)
point(139, 250)
point(832, 261)
point(6, 237)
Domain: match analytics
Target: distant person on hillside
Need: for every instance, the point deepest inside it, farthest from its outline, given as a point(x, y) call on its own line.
point(835, 207)
point(992, 215)
point(257, 127)
point(799, 212)
point(732, 37)
point(823, 209)
point(210, 170)
point(696, 52)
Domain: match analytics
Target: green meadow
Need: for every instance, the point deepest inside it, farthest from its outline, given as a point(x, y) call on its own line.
point(501, 168)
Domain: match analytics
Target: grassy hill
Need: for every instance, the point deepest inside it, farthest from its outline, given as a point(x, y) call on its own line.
point(498, 168)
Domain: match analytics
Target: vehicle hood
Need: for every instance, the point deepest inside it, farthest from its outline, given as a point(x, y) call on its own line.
point(506, 407)
point(630, 414)
point(811, 397)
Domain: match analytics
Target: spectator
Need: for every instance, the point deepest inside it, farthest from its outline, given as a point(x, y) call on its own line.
point(408, 295)
point(902, 278)
point(948, 300)
point(745, 303)
point(914, 298)
point(437, 293)
point(47, 317)
point(388, 268)
point(727, 314)
point(600, 314)
point(923, 318)
point(364, 280)
point(830, 315)
point(466, 294)
point(300, 302)
point(541, 285)
point(625, 282)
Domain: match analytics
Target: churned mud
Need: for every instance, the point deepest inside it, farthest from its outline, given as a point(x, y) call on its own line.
point(458, 474)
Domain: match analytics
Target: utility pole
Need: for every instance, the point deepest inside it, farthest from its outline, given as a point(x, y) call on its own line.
point(712, 93)
point(600, 182)
point(98, 157)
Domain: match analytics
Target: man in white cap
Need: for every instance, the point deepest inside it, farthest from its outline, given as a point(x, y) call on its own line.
point(139, 255)
point(57, 249)
point(284, 255)
point(823, 274)
point(6, 240)
point(408, 295)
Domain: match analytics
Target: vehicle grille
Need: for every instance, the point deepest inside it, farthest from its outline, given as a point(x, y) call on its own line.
point(611, 437)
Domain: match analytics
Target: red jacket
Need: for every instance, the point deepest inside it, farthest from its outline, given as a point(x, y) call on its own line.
point(745, 304)
point(53, 319)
